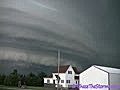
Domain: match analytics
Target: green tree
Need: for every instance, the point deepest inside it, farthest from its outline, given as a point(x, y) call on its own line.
point(13, 78)
point(41, 76)
point(2, 77)
point(31, 79)
point(22, 78)
point(7, 81)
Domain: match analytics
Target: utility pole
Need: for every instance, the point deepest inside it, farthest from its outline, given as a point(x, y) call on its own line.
point(58, 69)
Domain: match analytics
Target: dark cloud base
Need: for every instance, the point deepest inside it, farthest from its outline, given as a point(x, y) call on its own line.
point(86, 32)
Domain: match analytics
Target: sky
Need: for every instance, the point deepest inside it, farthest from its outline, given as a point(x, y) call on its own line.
point(85, 31)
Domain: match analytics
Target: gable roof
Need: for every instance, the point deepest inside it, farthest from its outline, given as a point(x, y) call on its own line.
point(108, 69)
point(63, 69)
point(75, 70)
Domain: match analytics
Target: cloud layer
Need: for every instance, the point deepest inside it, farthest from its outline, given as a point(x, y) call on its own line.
point(86, 32)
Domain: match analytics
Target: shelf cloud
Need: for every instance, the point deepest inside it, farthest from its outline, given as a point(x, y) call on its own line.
point(86, 32)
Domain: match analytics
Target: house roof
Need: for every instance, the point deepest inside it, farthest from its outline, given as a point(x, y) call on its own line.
point(76, 70)
point(108, 69)
point(63, 69)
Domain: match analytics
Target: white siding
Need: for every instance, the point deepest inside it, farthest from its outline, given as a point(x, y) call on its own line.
point(51, 80)
point(66, 76)
point(70, 76)
point(62, 77)
point(94, 76)
point(54, 77)
point(114, 80)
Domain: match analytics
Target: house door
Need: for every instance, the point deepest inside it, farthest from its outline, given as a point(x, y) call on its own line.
point(53, 81)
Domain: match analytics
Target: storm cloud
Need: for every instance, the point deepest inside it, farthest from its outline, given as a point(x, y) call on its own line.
point(85, 31)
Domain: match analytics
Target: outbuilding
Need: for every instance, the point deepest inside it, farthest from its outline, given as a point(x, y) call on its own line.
point(100, 78)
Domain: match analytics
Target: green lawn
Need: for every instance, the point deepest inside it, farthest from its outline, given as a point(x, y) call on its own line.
point(4, 89)
point(28, 88)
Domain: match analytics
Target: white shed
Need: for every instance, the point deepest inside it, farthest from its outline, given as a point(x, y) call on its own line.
point(100, 77)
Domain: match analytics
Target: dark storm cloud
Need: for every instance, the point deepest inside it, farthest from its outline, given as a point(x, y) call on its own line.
point(86, 32)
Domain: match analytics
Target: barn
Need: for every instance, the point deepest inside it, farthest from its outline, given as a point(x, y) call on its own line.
point(100, 78)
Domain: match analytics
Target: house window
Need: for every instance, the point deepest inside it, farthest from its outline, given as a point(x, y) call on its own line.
point(48, 81)
point(62, 81)
point(76, 77)
point(69, 72)
point(67, 81)
point(76, 82)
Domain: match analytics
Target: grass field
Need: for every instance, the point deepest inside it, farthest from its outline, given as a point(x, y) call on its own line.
point(28, 88)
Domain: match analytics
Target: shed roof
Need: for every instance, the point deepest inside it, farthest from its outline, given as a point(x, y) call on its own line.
point(108, 69)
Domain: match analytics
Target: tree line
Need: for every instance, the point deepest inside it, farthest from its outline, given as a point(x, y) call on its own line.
point(30, 79)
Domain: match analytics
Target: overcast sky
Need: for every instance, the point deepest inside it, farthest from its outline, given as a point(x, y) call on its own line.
point(86, 31)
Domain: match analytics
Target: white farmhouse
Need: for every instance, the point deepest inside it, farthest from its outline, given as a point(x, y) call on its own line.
point(68, 76)
point(102, 76)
